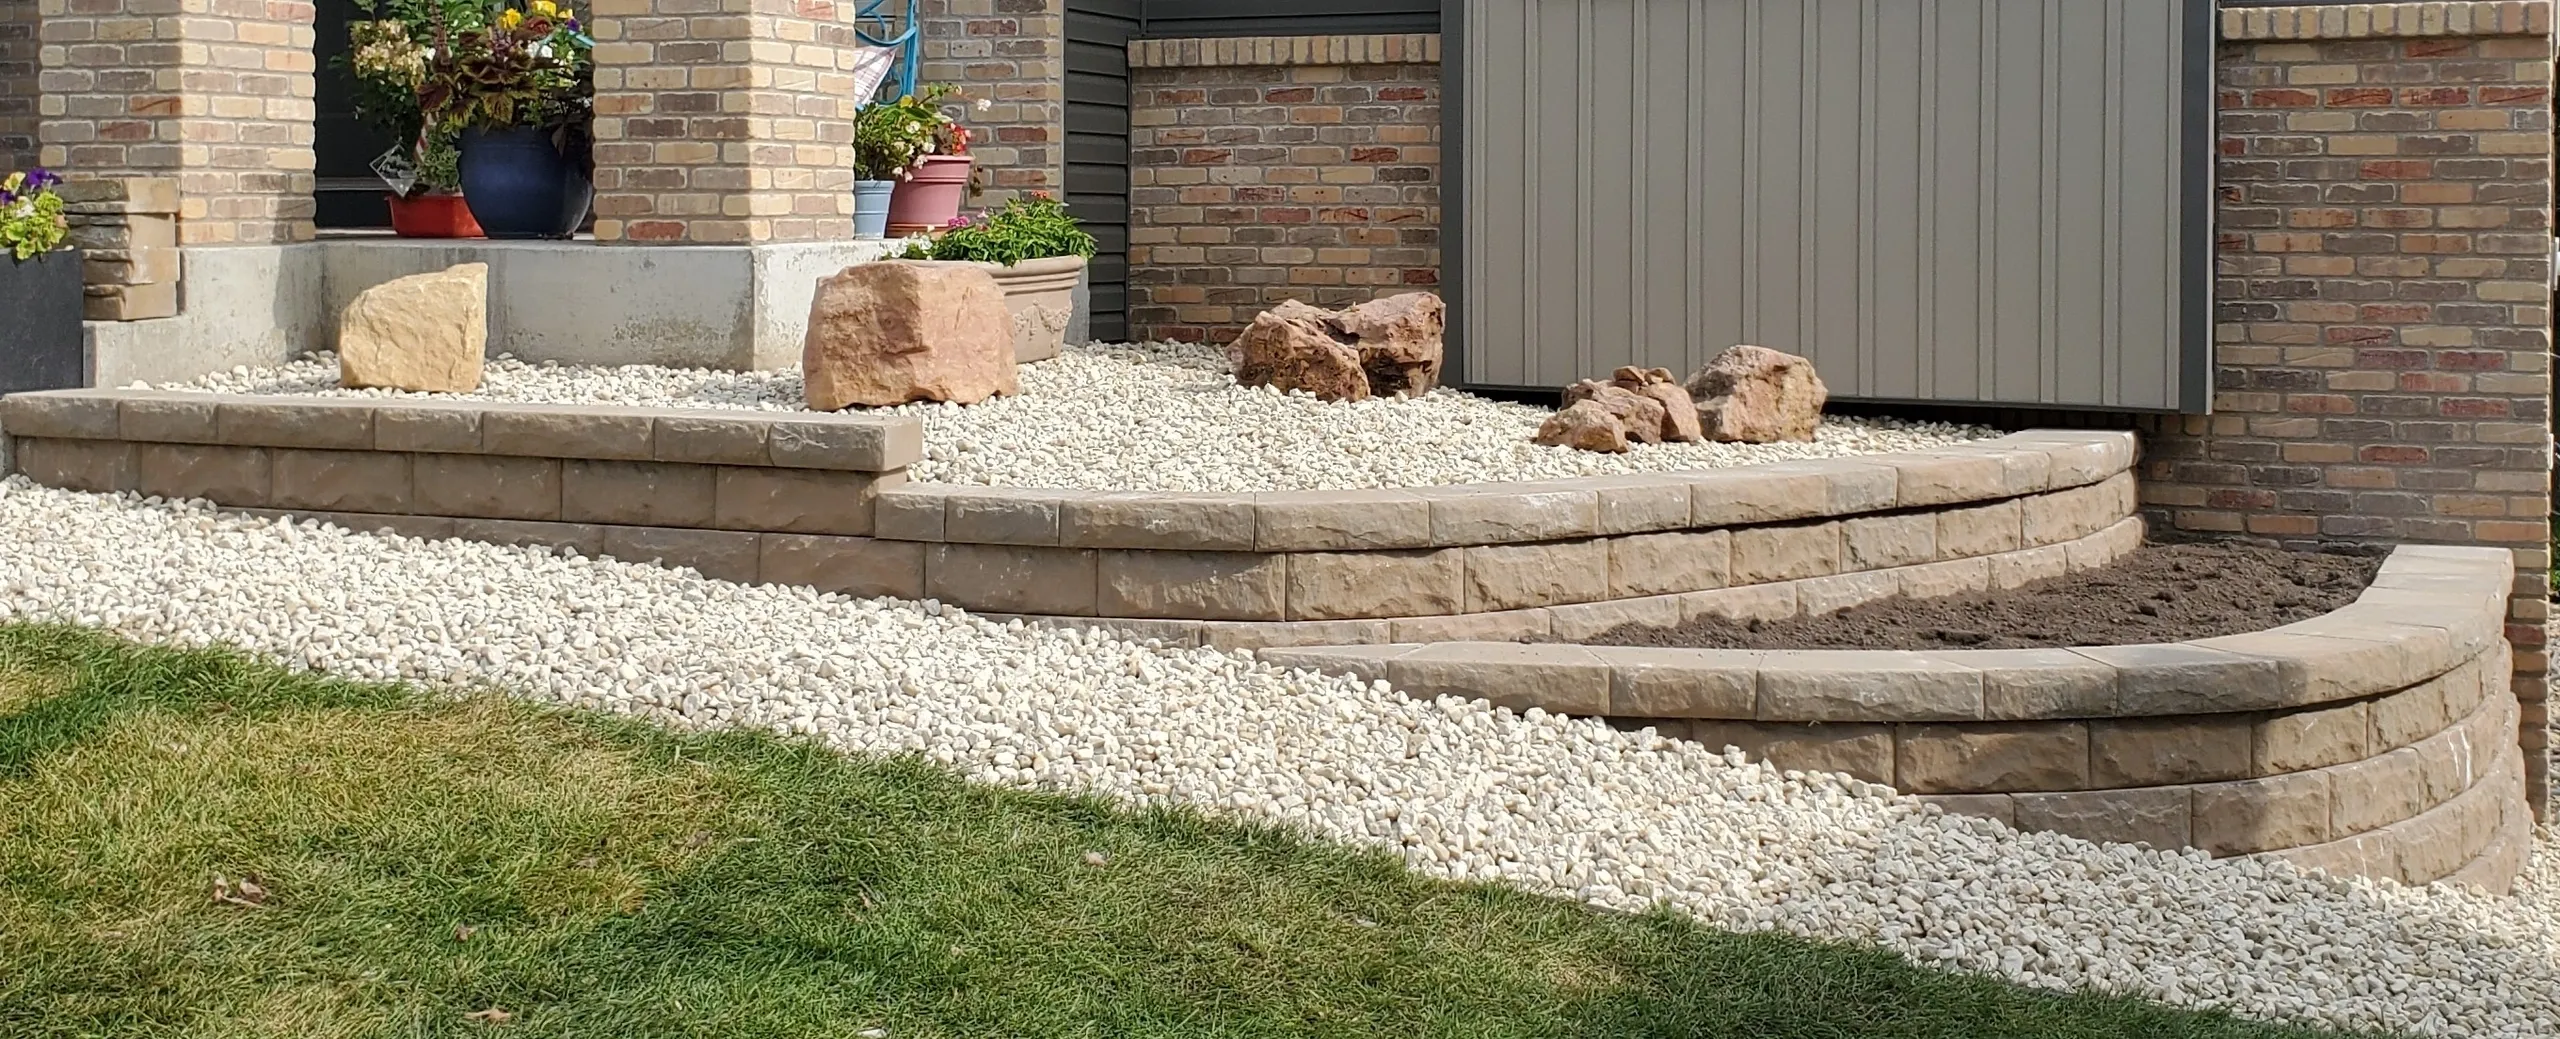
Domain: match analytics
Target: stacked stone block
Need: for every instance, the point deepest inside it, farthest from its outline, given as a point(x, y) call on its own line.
point(724, 122)
point(217, 95)
point(17, 85)
point(126, 229)
point(1014, 53)
point(2383, 296)
point(1279, 168)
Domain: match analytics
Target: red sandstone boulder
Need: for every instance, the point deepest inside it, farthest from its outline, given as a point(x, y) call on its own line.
point(1640, 416)
point(893, 332)
point(1678, 420)
point(1585, 426)
point(1294, 346)
point(1387, 347)
point(1400, 341)
point(1757, 395)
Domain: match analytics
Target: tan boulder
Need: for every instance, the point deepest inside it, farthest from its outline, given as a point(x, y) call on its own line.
point(1680, 413)
point(1757, 395)
point(1400, 341)
point(1383, 348)
point(1294, 346)
point(897, 331)
point(1641, 416)
point(425, 333)
point(1585, 426)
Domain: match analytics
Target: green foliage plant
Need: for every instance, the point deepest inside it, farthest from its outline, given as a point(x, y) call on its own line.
point(892, 138)
point(1030, 227)
point(31, 221)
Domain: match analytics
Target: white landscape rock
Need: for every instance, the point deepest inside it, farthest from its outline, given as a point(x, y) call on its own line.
point(1459, 789)
point(1164, 417)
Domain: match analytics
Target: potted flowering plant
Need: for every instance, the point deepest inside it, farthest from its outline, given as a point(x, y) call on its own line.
point(922, 151)
point(39, 288)
point(388, 57)
point(519, 90)
point(1036, 251)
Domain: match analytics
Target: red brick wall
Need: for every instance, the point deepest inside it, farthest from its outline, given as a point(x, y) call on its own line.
point(2383, 366)
point(1270, 169)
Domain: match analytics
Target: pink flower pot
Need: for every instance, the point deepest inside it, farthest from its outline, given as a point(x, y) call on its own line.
point(930, 196)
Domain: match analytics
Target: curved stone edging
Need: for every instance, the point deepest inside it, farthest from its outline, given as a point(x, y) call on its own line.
point(2019, 465)
point(2428, 610)
point(1776, 600)
point(2377, 739)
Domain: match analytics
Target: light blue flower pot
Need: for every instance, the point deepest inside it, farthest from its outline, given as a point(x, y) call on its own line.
point(871, 207)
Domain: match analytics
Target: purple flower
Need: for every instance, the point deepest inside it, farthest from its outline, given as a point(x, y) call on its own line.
point(40, 178)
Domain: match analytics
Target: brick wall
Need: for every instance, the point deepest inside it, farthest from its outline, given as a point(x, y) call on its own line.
point(2383, 366)
point(724, 122)
point(17, 84)
point(219, 96)
point(1014, 53)
point(1276, 168)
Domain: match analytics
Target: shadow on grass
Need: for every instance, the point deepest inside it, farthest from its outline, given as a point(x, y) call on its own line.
point(413, 862)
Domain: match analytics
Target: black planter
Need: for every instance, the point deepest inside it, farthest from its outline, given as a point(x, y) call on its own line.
point(40, 345)
point(519, 186)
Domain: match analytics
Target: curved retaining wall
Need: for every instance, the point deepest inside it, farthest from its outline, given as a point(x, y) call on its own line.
point(1500, 561)
point(823, 500)
point(2378, 739)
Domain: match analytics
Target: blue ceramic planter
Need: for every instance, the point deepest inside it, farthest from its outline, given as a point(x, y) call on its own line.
point(871, 207)
point(519, 186)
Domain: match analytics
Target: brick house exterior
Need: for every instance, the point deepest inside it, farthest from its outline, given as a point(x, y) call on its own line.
point(2384, 343)
point(1277, 168)
point(2384, 254)
point(17, 85)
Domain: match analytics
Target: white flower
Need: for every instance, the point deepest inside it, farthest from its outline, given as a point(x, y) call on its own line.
point(539, 49)
point(915, 127)
point(982, 104)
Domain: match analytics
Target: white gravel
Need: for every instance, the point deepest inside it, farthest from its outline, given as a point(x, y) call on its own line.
point(1461, 789)
point(1160, 417)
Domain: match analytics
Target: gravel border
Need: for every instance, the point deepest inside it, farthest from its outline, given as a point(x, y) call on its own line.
point(1460, 789)
point(1158, 416)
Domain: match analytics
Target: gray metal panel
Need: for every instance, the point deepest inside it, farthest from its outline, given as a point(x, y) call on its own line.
point(1097, 150)
point(1994, 201)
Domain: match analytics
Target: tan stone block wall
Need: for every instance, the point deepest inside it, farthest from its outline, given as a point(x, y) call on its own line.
point(1013, 52)
point(1270, 169)
point(217, 93)
point(2383, 342)
point(17, 84)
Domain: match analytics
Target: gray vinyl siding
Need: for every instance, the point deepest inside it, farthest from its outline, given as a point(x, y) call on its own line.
point(1097, 170)
point(1992, 201)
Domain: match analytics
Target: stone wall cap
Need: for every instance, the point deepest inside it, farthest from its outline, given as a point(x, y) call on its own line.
point(2360, 650)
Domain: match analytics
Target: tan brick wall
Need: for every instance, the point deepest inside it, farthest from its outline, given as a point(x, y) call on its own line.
point(1270, 169)
point(724, 122)
point(217, 93)
point(2384, 343)
point(1013, 52)
point(17, 84)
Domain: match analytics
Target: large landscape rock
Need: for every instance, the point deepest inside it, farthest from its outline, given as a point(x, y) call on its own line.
point(1382, 348)
point(425, 333)
point(1584, 426)
point(1640, 416)
point(896, 331)
point(1756, 395)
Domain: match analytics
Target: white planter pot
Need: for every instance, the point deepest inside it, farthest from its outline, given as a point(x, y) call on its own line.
point(1041, 296)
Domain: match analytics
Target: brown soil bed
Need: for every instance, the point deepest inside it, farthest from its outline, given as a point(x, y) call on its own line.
point(2159, 593)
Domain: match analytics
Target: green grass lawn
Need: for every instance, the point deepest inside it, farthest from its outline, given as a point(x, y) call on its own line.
point(196, 845)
